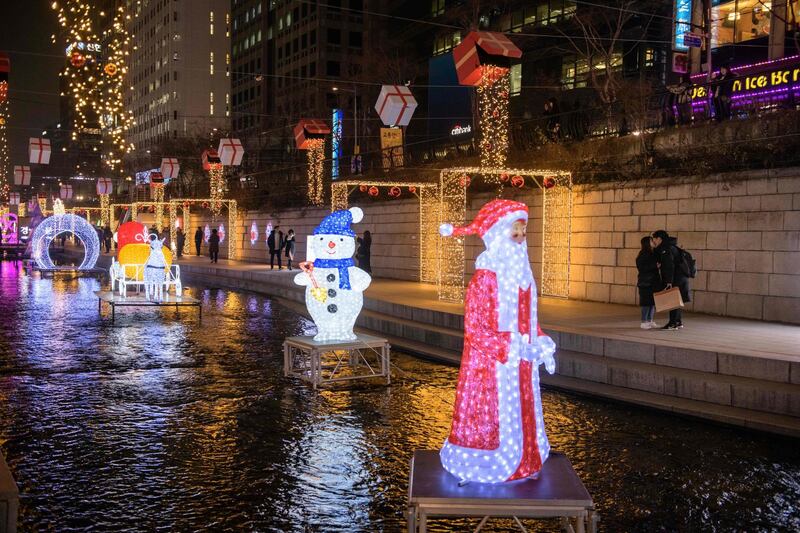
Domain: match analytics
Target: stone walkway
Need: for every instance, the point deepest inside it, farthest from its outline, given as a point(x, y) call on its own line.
point(780, 342)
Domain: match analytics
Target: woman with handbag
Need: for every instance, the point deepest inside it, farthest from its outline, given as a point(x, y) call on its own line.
point(669, 259)
point(648, 282)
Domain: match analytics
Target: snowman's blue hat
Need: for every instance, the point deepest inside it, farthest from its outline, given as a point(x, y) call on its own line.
point(338, 222)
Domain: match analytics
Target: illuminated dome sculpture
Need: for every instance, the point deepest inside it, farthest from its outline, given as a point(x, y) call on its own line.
point(53, 226)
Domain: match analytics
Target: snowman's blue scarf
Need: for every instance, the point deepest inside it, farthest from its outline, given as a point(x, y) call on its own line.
point(342, 265)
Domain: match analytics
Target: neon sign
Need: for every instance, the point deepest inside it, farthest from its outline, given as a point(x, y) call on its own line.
point(458, 129)
point(8, 227)
point(775, 79)
point(336, 142)
point(81, 46)
point(683, 23)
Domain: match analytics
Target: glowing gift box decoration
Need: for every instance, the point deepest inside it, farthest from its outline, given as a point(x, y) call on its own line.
point(395, 105)
point(170, 167)
point(498, 431)
point(105, 186)
point(230, 152)
point(13, 198)
point(65, 193)
point(309, 132)
point(22, 175)
point(156, 179)
point(39, 151)
point(480, 49)
point(210, 159)
point(334, 285)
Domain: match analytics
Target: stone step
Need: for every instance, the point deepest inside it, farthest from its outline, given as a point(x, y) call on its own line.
point(721, 389)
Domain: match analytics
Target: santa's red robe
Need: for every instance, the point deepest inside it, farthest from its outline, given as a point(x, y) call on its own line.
point(496, 385)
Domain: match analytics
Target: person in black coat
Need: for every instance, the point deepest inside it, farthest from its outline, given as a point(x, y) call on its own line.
point(198, 240)
point(289, 248)
point(648, 282)
point(213, 245)
point(672, 275)
point(275, 243)
point(723, 92)
point(364, 252)
point(181, 241)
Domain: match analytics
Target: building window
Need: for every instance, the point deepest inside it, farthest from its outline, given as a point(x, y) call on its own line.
point(437, 7)
point(738, 21)
point(334, 36)
point(649, 57)
point(575, 70)
point(211, 29)
point(445, 43)
point(516, 79)
point(333, 68)
point(211, 110)
point(355, 39)
point(211, 16)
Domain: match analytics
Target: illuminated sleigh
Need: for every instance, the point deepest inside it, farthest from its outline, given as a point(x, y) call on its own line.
point(128, 272)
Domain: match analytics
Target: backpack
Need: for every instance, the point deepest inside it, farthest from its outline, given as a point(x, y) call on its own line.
point(686, 263)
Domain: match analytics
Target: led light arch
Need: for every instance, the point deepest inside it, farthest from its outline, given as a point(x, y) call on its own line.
point(53, 226)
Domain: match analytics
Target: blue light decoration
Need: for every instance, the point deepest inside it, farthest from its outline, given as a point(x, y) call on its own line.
point(143, 177)
point(336, 142)
point(52, 227)
point(683, 23)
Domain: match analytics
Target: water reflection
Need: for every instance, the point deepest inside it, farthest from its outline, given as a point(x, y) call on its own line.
point(161, 423)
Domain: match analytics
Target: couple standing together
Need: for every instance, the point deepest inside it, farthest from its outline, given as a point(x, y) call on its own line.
point(661, 266)
point(277, 243)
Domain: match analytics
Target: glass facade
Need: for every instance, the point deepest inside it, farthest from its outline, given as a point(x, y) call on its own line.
point(738, 21)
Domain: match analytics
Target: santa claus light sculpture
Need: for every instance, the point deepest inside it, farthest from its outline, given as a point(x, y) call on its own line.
point(498, 431)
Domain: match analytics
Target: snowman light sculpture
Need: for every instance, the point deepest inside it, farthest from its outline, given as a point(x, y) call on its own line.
point(334, 285)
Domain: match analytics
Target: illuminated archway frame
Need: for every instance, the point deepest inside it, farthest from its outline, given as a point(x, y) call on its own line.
point(112, 213)
point(49, 228)
point(556, 228)
point(180, 203)
point(429, 220)
point(159, 212)
point(77, 210)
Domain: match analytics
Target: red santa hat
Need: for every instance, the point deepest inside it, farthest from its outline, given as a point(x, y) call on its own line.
point(487, 217)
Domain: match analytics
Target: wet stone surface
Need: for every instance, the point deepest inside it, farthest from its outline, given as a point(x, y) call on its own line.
point(159, 422)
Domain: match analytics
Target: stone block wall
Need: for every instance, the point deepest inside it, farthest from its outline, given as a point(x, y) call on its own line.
point(743, 229)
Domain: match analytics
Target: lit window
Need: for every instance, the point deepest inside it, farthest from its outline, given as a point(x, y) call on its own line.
point(211, 97)
point(211, 28)
point(437, 7)
point(516, 79)
point(211, 16)
point(211, 109)
point(737, 21)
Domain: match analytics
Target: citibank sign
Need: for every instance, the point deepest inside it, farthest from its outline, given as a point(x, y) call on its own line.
point(458, 129)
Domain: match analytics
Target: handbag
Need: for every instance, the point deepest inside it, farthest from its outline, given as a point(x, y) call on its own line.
point(668, 300)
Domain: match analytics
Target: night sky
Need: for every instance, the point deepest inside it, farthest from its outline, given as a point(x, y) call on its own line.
point(25, 30)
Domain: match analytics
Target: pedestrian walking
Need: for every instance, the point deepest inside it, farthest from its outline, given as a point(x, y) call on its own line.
point(107, 236)
point(723, 92)
point(180, 242)
point(198, 240)
point(673, 271)
point(275, 244)
point(213, 245)
point(648, 282)
point(289, 246)
point(364, 252)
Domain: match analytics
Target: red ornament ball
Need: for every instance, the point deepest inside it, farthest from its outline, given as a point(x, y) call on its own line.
point(504, 177)
point(464, 181)
point(495, 113)
point(362, 188)
point(549, 182)
point(518, 181)
point(77, 59)
point(394, 192)
point(412, 189)
point(373, 191)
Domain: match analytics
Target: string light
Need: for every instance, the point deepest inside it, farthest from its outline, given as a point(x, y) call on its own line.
point(498, 430)
point(334, 285)
point(4, 156)
point(185, 203)
point(95, 81)
point(217, 187)
point(429, 217)
point(493, 93)
point(51, 227)
point(453, 209)
point(316, 158)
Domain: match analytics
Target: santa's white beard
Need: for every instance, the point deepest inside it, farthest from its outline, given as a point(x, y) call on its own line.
point(509, 261)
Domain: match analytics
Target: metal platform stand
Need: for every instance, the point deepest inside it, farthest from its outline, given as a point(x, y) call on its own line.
point(323, 363)
point(556, 493)
point(31, 267)
point(116, 300)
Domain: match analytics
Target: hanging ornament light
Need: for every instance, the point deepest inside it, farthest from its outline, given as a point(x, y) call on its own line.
point(518, 181)
point(394, 192)
point(373, 191)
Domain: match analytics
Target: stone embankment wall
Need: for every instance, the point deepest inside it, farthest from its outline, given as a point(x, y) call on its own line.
point(743, 229)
